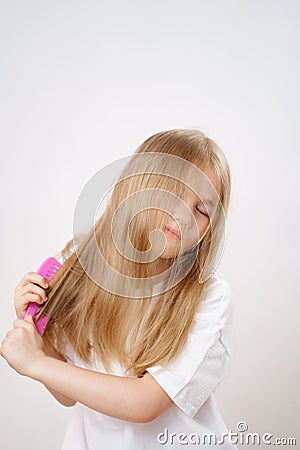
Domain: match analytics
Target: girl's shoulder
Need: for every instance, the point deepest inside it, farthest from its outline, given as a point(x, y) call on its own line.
point(218, 286)
point(216, 305)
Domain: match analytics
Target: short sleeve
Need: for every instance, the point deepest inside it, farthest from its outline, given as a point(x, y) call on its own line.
point(68, 350)
point(205, 359)
point(70, 354)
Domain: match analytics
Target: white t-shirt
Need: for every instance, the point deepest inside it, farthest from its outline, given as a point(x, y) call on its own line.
point(190, 381)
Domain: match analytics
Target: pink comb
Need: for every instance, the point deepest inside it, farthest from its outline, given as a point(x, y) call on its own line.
point(47, 269)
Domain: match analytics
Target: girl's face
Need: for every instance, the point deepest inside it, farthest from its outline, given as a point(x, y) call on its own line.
point(191, 225)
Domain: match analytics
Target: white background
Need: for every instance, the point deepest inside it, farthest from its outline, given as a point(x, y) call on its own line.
point(84, 83)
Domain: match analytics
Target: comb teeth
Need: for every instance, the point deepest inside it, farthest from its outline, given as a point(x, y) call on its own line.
point(48, 268)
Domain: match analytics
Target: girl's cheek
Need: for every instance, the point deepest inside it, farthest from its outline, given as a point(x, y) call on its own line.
point(192, 236)
point(198, 229)
point(202, 225)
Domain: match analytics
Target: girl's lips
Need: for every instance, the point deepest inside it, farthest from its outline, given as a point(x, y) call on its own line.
point(172, 233)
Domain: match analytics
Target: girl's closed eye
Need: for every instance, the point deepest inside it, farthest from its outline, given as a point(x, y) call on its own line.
point(202, 211)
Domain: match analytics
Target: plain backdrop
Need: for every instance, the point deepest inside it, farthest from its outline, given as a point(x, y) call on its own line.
point(84, 83)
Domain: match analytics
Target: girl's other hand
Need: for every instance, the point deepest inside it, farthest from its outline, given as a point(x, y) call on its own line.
point(23, 347)
point(31, 288)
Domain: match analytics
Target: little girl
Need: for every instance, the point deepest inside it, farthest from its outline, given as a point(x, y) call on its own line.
point(138, 339)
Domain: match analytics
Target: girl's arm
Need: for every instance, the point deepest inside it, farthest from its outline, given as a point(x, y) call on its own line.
point(63, 399)
point(37, 290)
point(131, 399)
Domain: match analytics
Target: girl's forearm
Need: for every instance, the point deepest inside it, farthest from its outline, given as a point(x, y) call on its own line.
point(63, 399)
point(115, 396)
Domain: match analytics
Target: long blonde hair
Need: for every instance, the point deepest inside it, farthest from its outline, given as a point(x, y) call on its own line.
point(88, 316)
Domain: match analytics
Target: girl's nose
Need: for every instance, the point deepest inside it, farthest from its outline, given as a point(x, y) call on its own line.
point(183, 216)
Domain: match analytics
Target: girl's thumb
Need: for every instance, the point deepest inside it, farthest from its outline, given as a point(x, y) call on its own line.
point(29, 318)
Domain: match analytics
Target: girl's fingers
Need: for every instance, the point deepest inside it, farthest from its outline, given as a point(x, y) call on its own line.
point(33, 277)
point(9, 333)
point(22, 323)
point(34, 289)
point(31, 288)
point(29, 297)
